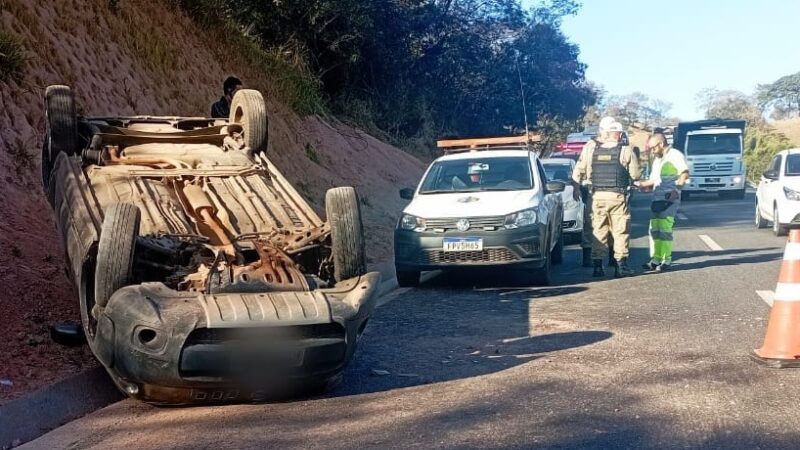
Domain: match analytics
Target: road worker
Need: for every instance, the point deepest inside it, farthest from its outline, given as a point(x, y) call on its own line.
point(668, 176)
point(610, 168)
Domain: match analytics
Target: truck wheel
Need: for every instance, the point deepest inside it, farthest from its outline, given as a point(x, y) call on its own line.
point(115, 251)
point(738, 195)
point(62, 126)
point(685, 196)
point(761, 222)
point(347, 233)
point(407, 278)
point(249, 110)
point(777, 228)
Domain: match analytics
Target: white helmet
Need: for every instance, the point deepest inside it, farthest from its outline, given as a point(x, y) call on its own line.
point(605, 122)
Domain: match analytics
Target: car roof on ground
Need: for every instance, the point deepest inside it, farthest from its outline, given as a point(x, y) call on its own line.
point(484, 154)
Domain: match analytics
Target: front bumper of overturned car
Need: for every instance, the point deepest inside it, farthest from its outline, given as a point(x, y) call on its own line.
point(168, 347)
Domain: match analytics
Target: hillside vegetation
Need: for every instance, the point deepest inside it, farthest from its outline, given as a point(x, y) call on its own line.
point(148, 57)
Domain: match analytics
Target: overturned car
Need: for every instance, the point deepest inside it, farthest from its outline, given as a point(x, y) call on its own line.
point(202, 275)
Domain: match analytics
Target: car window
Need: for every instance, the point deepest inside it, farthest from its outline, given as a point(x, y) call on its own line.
point(558, 171)
point(511, 173)
point(792, 165)
point(776, 164)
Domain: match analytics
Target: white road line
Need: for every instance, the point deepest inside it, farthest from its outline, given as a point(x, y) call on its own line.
point(681, 216)
point(767, 296)
point(710, 242)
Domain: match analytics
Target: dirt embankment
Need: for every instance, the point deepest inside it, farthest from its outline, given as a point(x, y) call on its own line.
point(147, 58)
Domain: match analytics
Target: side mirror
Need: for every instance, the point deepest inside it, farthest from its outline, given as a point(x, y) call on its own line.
point(407, 194)
point(770, 175)
point(555, 186)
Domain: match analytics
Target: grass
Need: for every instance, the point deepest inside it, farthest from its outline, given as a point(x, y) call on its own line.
point(145, 41)
point(289, 81)
point(12, 58)
point(311, 153)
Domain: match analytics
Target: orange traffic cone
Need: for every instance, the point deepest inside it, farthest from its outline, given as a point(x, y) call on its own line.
point(782, 343)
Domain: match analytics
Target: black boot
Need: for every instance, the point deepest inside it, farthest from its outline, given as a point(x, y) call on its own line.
point(587, 258)
point(598, 268)
point(622, 269)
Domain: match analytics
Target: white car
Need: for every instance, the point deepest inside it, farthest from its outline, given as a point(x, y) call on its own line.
point(778, 195)
point(487, 208)
point(560, 169)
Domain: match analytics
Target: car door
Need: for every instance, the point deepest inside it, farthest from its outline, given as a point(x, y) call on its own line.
point(767, 188)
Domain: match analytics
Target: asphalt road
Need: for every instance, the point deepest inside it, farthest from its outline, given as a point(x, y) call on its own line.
point(653, 361)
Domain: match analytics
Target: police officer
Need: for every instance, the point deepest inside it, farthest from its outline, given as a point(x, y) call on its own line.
point(586, 192)
point(610, 168)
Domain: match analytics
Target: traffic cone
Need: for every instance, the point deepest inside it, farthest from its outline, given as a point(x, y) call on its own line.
point(782, 343)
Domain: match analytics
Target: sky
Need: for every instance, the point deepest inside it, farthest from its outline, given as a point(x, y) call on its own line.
point(672, 50)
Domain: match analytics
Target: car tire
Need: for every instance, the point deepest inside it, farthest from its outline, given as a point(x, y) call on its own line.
point(347, 233)
point(62, 127)
point(250, 111)
point(557, 255)
point(777, 228)
point(761, 222)
point(407, 278)
point(115, 251)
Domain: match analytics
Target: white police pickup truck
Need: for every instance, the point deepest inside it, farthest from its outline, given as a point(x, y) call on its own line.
point(485, 203)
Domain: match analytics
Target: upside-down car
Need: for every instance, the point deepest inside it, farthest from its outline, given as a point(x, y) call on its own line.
point(202, 275)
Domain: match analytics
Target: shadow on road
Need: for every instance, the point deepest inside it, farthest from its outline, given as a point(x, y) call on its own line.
point(442, 332)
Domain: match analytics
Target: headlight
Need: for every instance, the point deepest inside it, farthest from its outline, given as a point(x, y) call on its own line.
point(521, 219)
point(737, 180)
point(409, 222)
point(791, 194)
point(569, 204)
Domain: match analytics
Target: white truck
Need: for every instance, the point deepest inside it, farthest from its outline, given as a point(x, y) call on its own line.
point(713, 150)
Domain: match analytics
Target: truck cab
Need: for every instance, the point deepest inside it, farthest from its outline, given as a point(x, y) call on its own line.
point(713, 150)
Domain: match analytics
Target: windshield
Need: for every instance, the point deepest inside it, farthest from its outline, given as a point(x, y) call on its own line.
point(792, 165)
point(714, 144)
point(558, 172)
point(478, 174)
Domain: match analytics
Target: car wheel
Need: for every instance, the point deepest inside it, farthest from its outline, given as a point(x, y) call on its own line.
point(347, 233)
point(777, 228)
point(407, 278)
point(760, 221)
point(62, 127)
point(557, 255)
point(250, 111)
point(115, 251)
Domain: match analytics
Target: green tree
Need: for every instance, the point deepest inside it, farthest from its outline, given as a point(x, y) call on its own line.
point(782, 95)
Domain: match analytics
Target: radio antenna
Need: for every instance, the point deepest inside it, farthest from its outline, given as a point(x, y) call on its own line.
point(522, 93)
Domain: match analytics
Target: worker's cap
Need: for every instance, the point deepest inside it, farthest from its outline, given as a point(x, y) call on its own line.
point(605, 122)
point(614, 127)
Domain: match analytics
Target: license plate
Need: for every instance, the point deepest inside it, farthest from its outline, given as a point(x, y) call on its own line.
point(712, 180)
point(462, 244)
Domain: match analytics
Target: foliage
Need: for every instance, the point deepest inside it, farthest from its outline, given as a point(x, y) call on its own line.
point(637, 108)
point(782, 95)
point(414, 68)
point(730, 104)
point(11, 57)
point(761, 143)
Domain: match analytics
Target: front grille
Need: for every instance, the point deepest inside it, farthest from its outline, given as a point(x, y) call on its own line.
point(712, 185)
point(718, 167)
point(475, 223)
point(487, 255)
point(569, 224)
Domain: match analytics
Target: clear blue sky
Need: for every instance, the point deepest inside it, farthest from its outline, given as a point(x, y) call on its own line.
point(733, 44)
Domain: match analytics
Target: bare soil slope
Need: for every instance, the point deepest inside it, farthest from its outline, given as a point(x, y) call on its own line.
point(140, 57)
